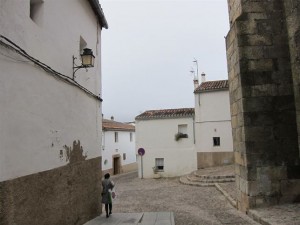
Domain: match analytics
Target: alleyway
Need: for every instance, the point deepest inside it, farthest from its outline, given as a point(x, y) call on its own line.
point(191, 205)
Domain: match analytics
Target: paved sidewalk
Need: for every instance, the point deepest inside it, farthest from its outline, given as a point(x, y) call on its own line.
point(191, 205)
point(145, 218)
point(285, 214)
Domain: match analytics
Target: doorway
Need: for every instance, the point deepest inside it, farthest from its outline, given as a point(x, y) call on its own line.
point(116, 164)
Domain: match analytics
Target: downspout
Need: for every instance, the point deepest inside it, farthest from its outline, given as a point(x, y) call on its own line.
point(194, 129)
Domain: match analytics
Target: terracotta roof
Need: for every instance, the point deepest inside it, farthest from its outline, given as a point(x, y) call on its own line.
point(212, 85)
point(166, 113)
point(98, 12)
point(114, 125)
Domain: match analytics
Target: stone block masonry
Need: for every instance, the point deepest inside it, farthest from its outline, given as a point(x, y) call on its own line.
point(292, 13)
point(263, 69)
point(66, 195)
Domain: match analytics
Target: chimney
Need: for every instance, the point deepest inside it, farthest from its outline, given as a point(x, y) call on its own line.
point(112, 118)
point(196, 83)
point(203, 77)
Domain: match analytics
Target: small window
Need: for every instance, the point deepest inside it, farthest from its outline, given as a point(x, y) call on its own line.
point(159, 164)
point(124, 156)
point(182, 132)
point(61, 154)
point(216, 141)
point(130, 137)
point(105, 161)
point(36, 10)
point(182, 128)
point(116, 137)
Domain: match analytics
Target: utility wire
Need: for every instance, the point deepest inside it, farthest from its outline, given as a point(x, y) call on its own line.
point(14, 47)
point(13, 59)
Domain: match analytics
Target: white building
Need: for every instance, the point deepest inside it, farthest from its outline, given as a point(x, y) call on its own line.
point(118, 145)
point(208, 128)
point(50, 136)
point(214, 145)
point(167, 137)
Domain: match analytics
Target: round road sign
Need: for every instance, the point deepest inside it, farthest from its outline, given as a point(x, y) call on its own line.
point(141, 151)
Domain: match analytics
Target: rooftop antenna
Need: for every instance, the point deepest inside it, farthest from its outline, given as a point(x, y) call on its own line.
point(196, 62)
point(192, 71)
point(196, 82)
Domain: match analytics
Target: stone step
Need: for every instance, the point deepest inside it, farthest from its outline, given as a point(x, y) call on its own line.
point(219, 179)
point(184, 180)
point(196, 173)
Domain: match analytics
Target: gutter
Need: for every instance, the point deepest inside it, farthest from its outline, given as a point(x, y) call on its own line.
point(99, 13)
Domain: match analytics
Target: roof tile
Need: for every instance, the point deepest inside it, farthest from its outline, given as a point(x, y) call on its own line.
point(212, 85)
point(114, 125)
point(166, 113)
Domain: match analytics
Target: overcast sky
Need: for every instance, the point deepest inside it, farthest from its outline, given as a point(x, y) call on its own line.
point(149, 48)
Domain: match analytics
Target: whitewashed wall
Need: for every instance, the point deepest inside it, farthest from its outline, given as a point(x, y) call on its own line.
point(39, 113)
point(124, 145)
point(212, 119)
point(157, 137)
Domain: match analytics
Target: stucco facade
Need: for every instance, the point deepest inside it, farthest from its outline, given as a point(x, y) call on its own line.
point(156, 135)
point(213, 124)
point(118, 147)
point(50, 123)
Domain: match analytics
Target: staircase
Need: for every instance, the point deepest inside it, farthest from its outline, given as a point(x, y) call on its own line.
point(209, 176)
point(195, 179)
point(213, 177)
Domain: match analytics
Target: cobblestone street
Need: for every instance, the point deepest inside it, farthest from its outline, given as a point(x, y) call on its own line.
point(191, 205)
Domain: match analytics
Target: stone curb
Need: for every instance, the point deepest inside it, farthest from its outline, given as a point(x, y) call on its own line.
point(213, 176)
point(253, 215)
point(257, 218)
point(227, 196)
point(210, 179)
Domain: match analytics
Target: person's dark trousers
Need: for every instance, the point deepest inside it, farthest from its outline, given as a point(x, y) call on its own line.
point(106, 209)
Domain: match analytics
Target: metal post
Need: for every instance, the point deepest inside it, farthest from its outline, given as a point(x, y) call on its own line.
point(142, 166)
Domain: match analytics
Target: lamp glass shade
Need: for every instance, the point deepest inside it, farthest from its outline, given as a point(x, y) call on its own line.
point(87, 58)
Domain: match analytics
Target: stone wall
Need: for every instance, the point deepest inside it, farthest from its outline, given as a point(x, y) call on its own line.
point(263, 108)
point(67, 195)
point(292, 13)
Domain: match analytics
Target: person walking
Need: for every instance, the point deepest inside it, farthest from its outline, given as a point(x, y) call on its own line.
point(107, 186)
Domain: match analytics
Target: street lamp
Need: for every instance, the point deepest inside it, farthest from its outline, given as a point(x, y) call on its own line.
point(87, 60)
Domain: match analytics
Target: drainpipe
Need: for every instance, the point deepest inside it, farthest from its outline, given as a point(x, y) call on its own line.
point(194, 129)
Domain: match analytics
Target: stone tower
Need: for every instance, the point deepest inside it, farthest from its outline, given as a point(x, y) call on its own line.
point(263, 55)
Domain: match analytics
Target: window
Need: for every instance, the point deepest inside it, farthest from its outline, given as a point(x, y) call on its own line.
point(182, 128)
point(116, 137)
point(61, 154)
point(216, 141)
point(36, 10)
point(182, 132)
point(124, 156)
point(159, 164)
point(130, 137)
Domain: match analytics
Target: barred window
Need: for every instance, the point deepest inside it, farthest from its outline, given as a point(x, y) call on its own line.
point(159, 164)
